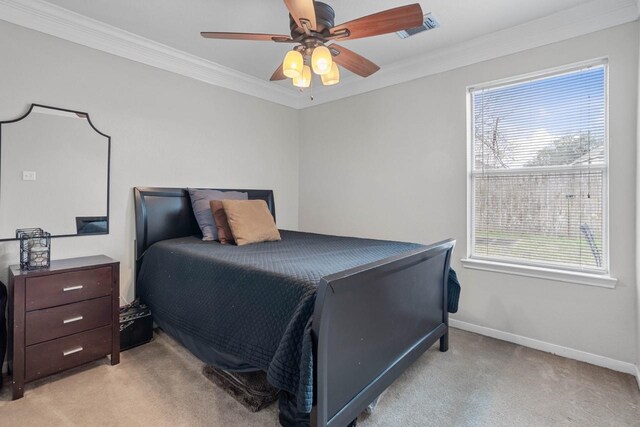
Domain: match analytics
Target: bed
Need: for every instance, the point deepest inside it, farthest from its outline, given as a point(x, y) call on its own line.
point(332, 320)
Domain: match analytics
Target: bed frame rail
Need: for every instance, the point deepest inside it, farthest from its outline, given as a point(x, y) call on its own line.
point(370, 323)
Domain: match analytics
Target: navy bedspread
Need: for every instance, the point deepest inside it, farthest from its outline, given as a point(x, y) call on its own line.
point(252, 303)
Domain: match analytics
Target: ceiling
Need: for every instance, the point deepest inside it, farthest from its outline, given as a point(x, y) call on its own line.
point(178, 24)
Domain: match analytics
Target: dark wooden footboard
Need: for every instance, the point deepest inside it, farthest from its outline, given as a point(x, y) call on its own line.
point(370, 323)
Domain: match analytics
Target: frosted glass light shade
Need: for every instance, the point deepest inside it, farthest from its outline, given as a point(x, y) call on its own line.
point(292, 64)
point(321, 60)
point(332, 77)
point(304, 80)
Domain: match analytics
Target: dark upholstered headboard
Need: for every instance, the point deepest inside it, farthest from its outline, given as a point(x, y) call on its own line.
point(166, 213)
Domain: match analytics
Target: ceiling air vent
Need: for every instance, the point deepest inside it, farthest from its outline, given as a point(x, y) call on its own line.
point(429, 24)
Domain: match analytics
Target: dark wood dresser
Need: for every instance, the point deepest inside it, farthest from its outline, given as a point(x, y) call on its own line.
point(62, 317)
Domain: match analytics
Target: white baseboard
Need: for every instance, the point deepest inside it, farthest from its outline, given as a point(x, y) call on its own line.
point(569, 353)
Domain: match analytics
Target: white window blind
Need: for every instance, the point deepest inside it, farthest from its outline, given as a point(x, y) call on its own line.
point(539, 171)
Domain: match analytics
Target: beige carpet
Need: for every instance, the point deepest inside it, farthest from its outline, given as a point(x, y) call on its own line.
point(479, 382)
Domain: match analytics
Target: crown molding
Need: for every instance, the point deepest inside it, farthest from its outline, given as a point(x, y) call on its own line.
point(577, 21)
point(54, 20)
point(62, 23)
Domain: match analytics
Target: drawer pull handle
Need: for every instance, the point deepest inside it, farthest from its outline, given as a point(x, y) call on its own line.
point(73, 319)
point(75, 350)
point(72, 288)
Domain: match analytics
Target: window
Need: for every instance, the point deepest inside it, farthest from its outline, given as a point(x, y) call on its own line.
point(538, 171)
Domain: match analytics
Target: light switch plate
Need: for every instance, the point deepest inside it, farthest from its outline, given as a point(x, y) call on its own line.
point(28, 175)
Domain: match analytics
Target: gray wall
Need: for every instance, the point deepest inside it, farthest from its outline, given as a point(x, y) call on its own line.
point(393, 165)
point(165, 130)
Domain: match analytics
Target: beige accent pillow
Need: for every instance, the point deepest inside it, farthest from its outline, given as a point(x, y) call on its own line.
point(222, 224)
point(250, 221)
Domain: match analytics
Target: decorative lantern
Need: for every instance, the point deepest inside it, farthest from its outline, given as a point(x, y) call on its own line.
point(35, 248)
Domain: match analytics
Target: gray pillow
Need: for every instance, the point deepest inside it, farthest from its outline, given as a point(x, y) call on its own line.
point(202, 210)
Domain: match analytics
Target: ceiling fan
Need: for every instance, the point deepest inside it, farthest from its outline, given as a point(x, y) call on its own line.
point(312, 26)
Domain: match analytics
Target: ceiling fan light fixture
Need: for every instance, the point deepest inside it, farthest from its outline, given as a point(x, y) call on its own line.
point(321, 60)
point(293, 64)
point(304, 79)
point(312, 25)
point(332, 77)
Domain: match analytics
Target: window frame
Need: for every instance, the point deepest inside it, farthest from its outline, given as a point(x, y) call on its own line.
point(595, 277)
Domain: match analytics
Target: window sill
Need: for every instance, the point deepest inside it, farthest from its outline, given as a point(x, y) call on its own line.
point(602, 281)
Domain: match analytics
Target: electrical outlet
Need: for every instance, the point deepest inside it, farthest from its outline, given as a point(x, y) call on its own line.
point(28, 175)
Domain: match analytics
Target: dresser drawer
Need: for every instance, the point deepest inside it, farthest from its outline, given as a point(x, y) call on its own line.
point(65, 288)
point(64, 353)
point(51, 323)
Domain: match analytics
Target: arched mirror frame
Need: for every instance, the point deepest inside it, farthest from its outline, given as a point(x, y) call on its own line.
point(86, 115)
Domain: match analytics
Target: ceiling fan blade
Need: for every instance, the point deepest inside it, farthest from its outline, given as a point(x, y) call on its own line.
point(352, 61)
point(245, 36)
point(302, 10)
point(278, 74)
point(389, 21)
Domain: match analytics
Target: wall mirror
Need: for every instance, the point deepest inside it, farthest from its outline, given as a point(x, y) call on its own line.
point(54, 174)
